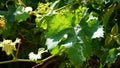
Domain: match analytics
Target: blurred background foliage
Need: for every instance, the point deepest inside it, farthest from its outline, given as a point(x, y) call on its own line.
point(104, 51)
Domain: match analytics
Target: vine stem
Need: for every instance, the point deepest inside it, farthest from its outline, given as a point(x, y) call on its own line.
point(49, 57)
point(21, 2)
point(61, 50)
point(71, 4)
point(40, 62)
point(18, 48)
point(16, 60)
point(27, 60)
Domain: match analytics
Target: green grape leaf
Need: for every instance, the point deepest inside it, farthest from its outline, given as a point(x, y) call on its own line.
point(66, 38)
point(78, 53)
point(85, 42)
point(8, 46)
point(95, 30)
point(81, 49)
point(35, 57)
point(58, 26)
point(85, 31)
point(22, 13)
point(90, 26)
point(57, 23)
point(53, 41)
point(69, 38)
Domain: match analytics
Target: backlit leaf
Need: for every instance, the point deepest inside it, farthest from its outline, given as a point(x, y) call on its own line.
point(58, 26)
point(59, 22)
point(55, 50)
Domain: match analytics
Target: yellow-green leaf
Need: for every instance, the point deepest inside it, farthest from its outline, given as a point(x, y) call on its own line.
point(108, 40)
point(118, 40)
point(55, 50)
point(114, 30)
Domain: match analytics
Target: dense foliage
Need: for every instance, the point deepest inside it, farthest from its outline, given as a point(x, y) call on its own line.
point(60, 33)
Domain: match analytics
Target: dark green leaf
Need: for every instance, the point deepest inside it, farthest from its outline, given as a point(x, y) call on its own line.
point(22, 17)
point(107, 15)
point(112, 56)
point(21, 14)
point(78, 53)
point(55, 39)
